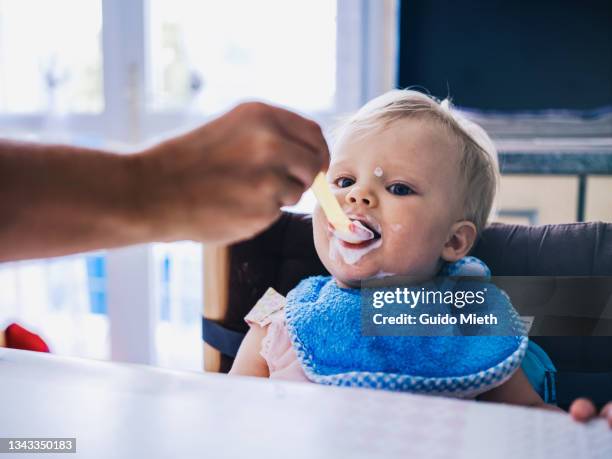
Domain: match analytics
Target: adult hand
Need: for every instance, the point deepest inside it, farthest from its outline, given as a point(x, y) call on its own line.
point(227, 180)
point(583, 409)
point(220, 183)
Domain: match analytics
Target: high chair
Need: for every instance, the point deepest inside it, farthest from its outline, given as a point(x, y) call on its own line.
point(236, 277)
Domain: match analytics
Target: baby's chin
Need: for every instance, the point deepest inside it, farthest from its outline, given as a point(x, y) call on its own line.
point(353, 275)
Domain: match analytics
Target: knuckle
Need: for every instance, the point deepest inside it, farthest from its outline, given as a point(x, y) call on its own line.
point(254, 108)
point(240, 109)
point(266, 185)
point(314, 164)
point(315, 128)
point(266, 144)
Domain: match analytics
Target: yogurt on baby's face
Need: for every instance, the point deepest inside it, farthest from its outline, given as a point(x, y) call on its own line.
point(354, 246)
point(349, 254)
point(356, 233)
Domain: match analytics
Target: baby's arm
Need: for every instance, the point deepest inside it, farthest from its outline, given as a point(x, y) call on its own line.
point(517, 391)
point(248, 361)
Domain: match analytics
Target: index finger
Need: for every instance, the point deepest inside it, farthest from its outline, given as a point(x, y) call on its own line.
point(304, 131)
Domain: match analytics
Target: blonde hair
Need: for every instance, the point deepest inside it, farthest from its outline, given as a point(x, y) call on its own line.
point(479, 165)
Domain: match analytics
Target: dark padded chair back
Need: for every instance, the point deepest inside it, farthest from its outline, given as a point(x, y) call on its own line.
point(284, 254)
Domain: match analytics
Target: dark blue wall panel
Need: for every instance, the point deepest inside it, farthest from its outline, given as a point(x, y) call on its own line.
point(509, 55)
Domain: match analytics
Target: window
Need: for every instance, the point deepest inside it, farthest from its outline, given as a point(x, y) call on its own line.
point(179, 278)
point(44, 68)
point(116, 74)
point(209, 55)
point(58, 299)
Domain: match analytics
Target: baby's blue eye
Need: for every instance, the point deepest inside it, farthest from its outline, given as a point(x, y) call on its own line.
point(344, 182)
point(400, 189)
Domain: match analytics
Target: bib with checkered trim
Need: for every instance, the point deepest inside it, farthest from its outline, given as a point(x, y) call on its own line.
point(324, 323)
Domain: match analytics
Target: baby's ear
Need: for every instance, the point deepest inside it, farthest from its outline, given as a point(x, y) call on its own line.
point(460, 240)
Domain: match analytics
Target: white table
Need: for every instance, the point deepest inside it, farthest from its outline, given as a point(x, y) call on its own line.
point(130, 411)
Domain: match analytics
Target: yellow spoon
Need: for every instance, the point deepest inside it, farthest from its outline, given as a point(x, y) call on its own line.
point(354, 231)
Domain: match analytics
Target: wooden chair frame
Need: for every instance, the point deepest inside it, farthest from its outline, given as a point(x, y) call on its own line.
point(216, 294)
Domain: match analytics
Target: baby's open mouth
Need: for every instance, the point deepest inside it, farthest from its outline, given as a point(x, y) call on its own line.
point(366, 234)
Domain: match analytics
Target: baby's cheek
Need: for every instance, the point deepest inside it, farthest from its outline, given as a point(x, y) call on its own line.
point(396, 228)
point(406, 255)
point(396, 258)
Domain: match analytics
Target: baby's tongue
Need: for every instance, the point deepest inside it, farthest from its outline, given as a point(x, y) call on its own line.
point(358, 233)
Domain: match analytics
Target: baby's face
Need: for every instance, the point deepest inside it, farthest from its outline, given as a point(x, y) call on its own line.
point(402, 182)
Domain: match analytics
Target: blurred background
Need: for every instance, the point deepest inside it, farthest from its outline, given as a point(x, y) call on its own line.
point(119, 74)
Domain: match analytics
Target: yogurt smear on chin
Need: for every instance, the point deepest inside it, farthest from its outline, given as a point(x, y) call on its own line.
point(350, 255)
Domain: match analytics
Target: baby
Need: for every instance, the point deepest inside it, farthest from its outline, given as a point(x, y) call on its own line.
point(422, 179)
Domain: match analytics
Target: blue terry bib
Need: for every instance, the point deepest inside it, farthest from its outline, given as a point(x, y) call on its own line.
point(324, 323)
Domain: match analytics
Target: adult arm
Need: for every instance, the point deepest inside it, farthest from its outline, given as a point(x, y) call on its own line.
point(219, 183)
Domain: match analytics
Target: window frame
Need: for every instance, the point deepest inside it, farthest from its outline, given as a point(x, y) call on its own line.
point(366, 67)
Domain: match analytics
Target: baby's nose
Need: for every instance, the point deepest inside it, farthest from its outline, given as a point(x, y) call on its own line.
point(359, 195)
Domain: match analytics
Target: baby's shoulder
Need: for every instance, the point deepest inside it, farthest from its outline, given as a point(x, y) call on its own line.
point(269, 306)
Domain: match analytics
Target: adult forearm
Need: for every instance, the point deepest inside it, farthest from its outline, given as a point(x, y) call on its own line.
point(220, 183)
point(56, 200)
